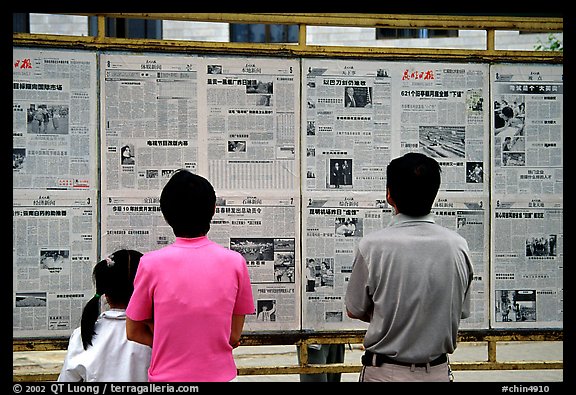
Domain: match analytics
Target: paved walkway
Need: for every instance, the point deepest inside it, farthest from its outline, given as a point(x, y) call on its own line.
point(51, 361)
point(466, 352)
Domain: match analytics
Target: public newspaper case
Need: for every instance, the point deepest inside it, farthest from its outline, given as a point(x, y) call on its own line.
point(299, 170)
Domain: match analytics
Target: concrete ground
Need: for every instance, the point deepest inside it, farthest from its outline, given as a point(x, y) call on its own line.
point(27, 362)
point(513, 351)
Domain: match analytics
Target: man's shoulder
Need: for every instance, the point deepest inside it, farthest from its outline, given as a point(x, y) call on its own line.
point(152, 256)
point(158, 251)
point(444, 231)
point(377, 236)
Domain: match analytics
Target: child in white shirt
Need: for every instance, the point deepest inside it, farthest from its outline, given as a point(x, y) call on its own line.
point(99, 350)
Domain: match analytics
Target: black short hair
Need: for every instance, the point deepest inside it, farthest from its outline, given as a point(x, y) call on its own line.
point(187, 202)
point(413, 181)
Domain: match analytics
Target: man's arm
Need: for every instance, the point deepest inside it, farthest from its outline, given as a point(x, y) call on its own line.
point(366, 317)
point(140, 331)
point(237, 327)
point(357, 295)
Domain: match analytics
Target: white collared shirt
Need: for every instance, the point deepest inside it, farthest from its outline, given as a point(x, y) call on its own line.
point(111, 357)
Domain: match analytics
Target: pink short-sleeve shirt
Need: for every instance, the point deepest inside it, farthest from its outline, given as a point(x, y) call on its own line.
point(191, 289)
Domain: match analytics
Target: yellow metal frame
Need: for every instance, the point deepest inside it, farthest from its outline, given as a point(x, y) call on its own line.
point(299, 338)
point(490, 24)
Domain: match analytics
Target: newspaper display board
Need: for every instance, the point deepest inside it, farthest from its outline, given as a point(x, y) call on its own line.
point(245, 124)
point(54, 130)
point(359, 115)
point(527, 206)
point(232, 120)
point(54, 250)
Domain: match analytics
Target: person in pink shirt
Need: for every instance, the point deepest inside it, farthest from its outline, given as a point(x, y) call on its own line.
point(191, 297)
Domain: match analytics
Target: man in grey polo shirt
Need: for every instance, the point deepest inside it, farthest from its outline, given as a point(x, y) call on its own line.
point(410, 281)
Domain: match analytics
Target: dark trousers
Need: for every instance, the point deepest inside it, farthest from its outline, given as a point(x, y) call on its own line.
point(328, 353)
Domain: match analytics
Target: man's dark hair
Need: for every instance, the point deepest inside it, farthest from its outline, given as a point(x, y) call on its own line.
point(413, 181)
point(187, 202)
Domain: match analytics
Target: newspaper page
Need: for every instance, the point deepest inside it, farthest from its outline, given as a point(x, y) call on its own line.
point(527, 129)
point(54, 122)
point(358, 115)
point(264, 229)
point(469, 216)
point(527, 264)
point(332, 227)
point(133, 222)
point(251, 118)
point(149, 119)
point(441, 111)
point(55, 247)
point(348, 123)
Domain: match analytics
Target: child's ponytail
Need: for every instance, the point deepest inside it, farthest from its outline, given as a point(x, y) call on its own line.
point(89, 316)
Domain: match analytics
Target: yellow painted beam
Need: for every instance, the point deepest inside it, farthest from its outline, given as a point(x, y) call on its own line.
point(327, 337)
point(396, 21)
point(341, 368)
point(285, 50)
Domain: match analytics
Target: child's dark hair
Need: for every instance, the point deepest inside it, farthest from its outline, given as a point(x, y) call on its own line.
point(113, 277)
point(413, 181)
point(187, 202)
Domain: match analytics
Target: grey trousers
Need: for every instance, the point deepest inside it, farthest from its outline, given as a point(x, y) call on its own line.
point(328, 353)
point(389, 372)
